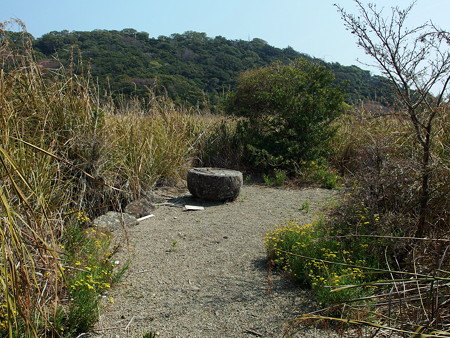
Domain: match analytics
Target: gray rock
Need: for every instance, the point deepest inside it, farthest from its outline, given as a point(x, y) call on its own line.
point(113, 220)
point(155, 198)
point(139, 208)
point(214, 184)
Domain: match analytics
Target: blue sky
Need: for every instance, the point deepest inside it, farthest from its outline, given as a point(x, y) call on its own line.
point(309, 26)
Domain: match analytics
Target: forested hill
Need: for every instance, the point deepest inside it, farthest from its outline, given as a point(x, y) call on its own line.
point(190, 67)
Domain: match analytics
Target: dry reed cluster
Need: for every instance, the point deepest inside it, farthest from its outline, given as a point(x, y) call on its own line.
point(407, 287)
point(64, 150)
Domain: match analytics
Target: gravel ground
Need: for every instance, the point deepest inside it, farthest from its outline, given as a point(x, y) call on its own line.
point(204, 273)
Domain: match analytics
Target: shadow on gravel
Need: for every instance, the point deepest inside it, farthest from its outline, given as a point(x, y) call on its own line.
point(260, 263)
point(277, 280)
point(181, 201)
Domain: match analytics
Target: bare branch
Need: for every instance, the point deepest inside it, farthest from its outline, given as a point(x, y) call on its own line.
point(417, 62)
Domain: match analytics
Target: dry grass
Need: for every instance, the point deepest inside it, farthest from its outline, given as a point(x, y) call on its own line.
point(154, 146)
point(378, 156)
point(62, 148)
point(408, 293)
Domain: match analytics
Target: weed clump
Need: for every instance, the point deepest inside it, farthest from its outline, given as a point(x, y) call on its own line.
point(89, 273)
point(317, 259)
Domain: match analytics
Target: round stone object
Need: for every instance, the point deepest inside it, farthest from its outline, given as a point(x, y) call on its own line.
point(214, 184)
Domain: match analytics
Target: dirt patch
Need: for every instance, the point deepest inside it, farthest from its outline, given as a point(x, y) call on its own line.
point(204, 273)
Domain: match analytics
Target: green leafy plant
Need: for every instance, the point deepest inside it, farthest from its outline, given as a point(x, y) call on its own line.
point(318, 172)
point(305, 207)
point(173, 245)
point(89, 272)
point(277, 180)
point(289, 110)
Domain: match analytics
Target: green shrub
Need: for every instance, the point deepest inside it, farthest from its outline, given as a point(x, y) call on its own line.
point(318, 172)
point(276, 180)
point(289, 110)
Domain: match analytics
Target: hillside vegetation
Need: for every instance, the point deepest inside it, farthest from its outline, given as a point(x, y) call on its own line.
point(191, 67)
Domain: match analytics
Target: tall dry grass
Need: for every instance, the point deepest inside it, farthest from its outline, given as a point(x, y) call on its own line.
point(378, 156)
point(376, 277)
point(153, 144)
point(380, 152)
point(64, 147)
point(51, 112)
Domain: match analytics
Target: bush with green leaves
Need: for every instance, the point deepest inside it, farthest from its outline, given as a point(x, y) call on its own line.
point(289, 110)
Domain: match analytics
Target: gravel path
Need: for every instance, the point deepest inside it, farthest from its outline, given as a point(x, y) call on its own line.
point(204, 274)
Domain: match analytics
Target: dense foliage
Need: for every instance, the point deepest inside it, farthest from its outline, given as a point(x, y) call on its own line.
point(289, 111)
point(191, 67)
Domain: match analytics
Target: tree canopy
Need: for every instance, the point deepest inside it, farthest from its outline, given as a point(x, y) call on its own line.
point(190, 67)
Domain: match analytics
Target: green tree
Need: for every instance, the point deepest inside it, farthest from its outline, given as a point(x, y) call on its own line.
point(289, 110)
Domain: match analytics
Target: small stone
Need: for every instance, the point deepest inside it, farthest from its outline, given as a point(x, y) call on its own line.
point(139, 208)
point(113, 220)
